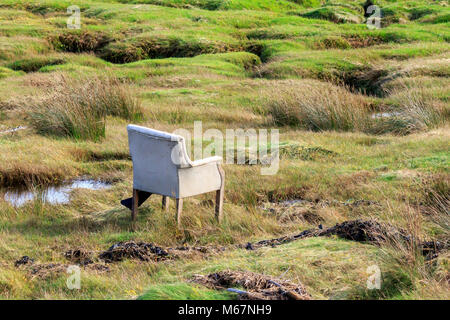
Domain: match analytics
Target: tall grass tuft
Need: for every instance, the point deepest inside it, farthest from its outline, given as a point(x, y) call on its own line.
point(317, 106)
point(117, 100)
point(77, 108)
point(413, 110)
point(406, 272)
point(436, 200)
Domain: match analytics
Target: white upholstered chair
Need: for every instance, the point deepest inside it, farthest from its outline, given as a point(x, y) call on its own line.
point(162, 166)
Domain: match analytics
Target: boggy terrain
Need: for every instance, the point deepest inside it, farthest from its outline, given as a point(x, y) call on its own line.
point(363, 180)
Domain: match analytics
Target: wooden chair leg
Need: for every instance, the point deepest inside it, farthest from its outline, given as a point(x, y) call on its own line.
point(179, 210)
point(165, 203)
point(219, 204)
point(135, 206)
point(219, 195)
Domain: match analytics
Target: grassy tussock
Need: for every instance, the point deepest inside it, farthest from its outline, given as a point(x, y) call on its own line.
point(317, 106)
point(348, 41)
point(413, 110)
point(77, 108)
point(436, 197)
point(31, 174)
point(333, 14)
point(405, 270)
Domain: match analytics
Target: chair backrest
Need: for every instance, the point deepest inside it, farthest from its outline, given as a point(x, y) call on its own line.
point(156, 158)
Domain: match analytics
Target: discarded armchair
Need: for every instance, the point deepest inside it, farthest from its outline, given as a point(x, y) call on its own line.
point(162, 166)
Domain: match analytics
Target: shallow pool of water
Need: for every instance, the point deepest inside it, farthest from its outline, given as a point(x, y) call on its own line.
point(385, 115)
point(13, 129)
point(53, 194)
point(294, 202)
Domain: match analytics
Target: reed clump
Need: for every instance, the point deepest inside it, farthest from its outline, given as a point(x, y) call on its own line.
point(78, 108)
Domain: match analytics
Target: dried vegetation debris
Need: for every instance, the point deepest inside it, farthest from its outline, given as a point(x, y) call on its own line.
point(366, 231)
point(281, 240)
point(432, 249)
point(141, 251)
point(291, 211)
point(255, 286)
point(79, 257)
point(25, 260)
point(151, 252)
point(47, 270)
point(92, 260)
point(370, 231)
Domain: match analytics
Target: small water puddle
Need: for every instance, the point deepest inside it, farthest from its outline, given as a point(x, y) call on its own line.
point(53, 194)
point(13, 129)
point(295, 202)
point(385, 115)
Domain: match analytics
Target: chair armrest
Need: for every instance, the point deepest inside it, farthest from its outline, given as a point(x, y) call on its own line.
point(202, 162)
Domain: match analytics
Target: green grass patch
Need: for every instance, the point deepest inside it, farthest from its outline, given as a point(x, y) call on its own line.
point(184, 291)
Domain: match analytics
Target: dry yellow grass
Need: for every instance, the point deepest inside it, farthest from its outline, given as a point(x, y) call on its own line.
point(318, 106)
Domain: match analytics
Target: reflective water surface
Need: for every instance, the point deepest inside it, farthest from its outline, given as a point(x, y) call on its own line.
point(53, 194)
point(13, 129)
point(385, 115)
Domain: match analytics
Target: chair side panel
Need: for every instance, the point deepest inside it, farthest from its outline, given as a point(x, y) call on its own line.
point(198, 180)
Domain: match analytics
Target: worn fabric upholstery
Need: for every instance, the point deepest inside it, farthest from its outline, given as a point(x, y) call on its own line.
point(162, 166)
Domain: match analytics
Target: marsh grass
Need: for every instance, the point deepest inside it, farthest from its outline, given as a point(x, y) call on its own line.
point(435, 189)
point(224, 90)
point(405, 270)
point(317, 106)
point(412, 110)
point(117, 99)
point(77, 108)
point(71, 110)
point(336, 15)
point(183, 290)
point(28, 175)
